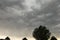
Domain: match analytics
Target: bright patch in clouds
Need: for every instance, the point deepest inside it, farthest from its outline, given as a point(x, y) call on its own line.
point(58, 38)
point(31, 4)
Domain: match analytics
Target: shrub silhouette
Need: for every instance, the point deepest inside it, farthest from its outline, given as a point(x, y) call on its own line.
point(7, 38)
point(53, 38)
point(41, 33)
point(24, 38)
point(1, 39)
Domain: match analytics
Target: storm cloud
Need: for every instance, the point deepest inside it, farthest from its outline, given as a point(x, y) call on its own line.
point(20, 17)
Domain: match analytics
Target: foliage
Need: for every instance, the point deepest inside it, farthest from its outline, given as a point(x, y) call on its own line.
point(24, 38)
point(41, 33)
point(53, 38)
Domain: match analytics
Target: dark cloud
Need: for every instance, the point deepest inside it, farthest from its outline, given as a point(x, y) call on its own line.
point(20, 19)
point(10, 3)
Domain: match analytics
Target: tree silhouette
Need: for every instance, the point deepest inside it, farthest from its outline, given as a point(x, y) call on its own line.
point(24, 38)
point(53, 38)
point(7, 38)
point(41, 33)
point(1, 39)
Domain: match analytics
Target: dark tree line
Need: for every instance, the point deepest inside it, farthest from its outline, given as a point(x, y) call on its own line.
point(40, 33)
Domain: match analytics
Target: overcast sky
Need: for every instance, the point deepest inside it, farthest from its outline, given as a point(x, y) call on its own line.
point(20, 17)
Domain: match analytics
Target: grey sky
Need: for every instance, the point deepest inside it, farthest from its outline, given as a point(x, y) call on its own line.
point(20, 17)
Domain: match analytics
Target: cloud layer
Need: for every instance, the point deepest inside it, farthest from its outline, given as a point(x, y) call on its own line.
point(20, 17)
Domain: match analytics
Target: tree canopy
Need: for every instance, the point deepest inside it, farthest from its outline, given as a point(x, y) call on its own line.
point(53, 38)
point(41, 33)
point(7, 38)
point(24, 38)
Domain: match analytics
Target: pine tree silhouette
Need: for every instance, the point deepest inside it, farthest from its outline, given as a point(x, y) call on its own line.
point(41, 33)
point(1, 39)
point(24, 38)
point(7, 38)
point(53, 38)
